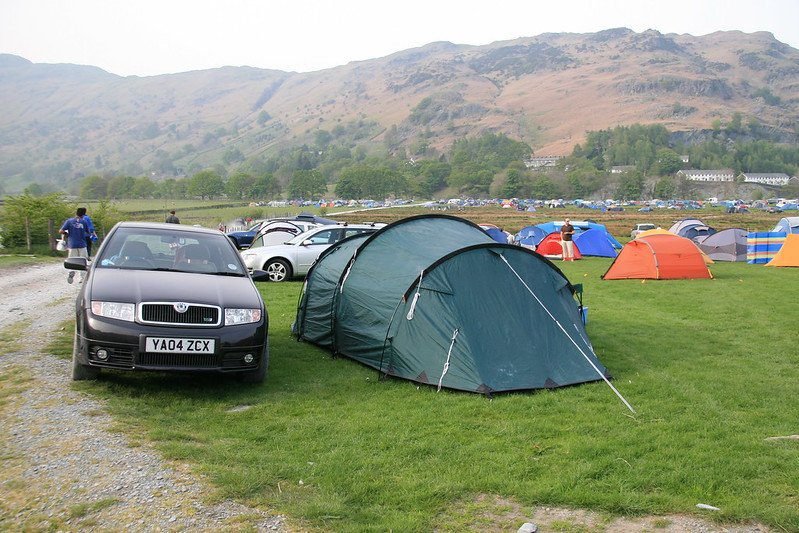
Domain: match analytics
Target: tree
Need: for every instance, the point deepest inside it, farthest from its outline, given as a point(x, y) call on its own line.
point(665, 188)
point(232, 155)
point(240, 185)
point(631, 186)
point(513, 184)
point(205, 184)
point(120, 187)
point(143, 187)
point(94, 187)
point(265, 186)
point(667, 162)
point(366, 181)
point(307, 184)
point(544, 188)
point(27, 220)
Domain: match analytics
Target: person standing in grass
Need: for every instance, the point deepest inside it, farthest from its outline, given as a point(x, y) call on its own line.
point(76, 229)
point(566, 235)
point(172, 218)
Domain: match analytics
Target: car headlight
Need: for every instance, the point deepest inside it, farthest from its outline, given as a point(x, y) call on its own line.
point(116, 310)
point(241, 316)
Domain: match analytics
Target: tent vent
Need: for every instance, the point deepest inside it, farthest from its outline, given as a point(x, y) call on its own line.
point(449, 354)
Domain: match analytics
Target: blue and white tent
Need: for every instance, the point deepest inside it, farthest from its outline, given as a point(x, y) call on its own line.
point(530, 236)
point(787, 225)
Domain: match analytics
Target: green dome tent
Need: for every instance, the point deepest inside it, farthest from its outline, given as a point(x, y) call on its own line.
point(314, 321)
point(435, 300)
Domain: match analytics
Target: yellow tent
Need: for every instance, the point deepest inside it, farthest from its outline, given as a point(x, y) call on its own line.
point(656, 231)
point(788, 256)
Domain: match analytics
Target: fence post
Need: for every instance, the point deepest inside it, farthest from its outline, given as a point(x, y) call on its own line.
point(28, 232)
point(50, 232)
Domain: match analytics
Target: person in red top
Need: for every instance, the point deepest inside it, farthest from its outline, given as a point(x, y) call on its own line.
point(566, 235)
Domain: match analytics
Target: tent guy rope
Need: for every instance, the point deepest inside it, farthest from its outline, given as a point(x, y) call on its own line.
point(626, 403)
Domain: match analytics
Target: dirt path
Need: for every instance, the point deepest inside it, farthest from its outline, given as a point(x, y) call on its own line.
point(62, 467)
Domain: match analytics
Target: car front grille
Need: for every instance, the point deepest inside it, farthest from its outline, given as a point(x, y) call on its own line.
point(178, 360)
point(165, 313)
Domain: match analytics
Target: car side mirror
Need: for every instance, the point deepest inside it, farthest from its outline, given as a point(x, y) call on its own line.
point(259, 275)
point(307, 242)
point(76, 263)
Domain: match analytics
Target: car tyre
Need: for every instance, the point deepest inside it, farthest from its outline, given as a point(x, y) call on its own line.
point(278, 270)
point(81, 372)
point(258, 376)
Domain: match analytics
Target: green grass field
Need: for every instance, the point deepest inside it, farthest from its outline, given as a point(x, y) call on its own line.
point(711, 366)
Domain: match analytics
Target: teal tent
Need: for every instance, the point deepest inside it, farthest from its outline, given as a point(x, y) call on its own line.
point(315, 311)
point(435, 300)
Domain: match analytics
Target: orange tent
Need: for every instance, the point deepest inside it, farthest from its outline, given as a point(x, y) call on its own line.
point(788, 256)
point(659, 257)
point(552, 248)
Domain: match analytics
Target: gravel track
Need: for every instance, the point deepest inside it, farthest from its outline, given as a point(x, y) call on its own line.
point(62, 467)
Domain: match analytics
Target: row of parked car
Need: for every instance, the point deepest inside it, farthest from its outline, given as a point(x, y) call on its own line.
point(286, 248)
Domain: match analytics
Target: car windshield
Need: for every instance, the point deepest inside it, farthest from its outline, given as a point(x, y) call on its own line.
point(165, 249)
point(301, 237)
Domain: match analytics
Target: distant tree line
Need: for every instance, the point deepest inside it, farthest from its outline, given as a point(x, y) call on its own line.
point(490, 164)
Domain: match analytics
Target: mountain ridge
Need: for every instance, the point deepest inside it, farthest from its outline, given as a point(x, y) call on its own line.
point(61, 122)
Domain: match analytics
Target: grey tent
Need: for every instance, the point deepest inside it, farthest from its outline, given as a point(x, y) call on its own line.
point(695, 231)
point(435, 300)
point(725, 245)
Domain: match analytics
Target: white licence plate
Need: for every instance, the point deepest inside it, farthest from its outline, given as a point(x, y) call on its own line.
point(172, 345)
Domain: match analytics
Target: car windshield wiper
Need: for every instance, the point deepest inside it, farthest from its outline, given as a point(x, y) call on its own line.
point(235, 274)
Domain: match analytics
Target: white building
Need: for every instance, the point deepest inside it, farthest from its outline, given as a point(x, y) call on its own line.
point(542, 161)
point(766, 179)
point(707, 175)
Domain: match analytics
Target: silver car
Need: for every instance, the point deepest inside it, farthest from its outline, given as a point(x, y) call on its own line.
point(295, 257)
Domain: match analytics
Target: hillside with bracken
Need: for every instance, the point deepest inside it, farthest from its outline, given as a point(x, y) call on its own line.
point(63, 122)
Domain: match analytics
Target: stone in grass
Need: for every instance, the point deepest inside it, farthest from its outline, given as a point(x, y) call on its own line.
point(708, 507)
point(528, 527)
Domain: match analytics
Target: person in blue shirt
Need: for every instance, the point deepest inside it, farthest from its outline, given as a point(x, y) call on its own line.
point(76, 229)
point(91, 236)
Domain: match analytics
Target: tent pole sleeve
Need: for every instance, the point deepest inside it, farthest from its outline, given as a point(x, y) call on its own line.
point(626, 403)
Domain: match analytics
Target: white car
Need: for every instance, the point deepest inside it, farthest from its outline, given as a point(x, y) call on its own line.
point(295, 257)
point(640, 228)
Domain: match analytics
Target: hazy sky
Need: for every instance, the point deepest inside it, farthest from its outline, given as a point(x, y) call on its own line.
point(147, 37)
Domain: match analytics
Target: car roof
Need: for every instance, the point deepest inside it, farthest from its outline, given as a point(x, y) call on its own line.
point(168, 227)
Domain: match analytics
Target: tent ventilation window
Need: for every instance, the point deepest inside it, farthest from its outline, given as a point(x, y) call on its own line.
point(449, 354)
point(409, 316)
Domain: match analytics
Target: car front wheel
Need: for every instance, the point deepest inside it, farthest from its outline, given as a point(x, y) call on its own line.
point(277, 269)
point(81, 372)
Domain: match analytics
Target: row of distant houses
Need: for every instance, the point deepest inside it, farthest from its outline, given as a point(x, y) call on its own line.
point(777, 179)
